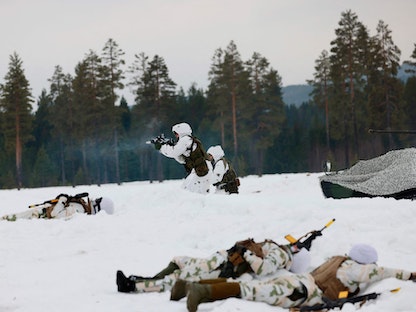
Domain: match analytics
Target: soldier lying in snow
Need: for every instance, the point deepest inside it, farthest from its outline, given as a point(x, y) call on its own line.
point(339, 274)
point(64, 206)
point(257, 259)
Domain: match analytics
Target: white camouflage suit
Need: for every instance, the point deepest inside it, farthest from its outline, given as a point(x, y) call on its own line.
point(194, 269)
point(60, 210)
point(351, 274)
point(182, 149)
point(219, 167)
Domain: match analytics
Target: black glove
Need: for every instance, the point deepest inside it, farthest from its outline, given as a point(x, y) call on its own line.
point(227, 270)
point(240, 249)
point(170, 142)
point(412, 277)
point(158, 145)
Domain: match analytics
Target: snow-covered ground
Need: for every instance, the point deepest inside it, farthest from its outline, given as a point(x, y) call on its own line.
point(67, 266)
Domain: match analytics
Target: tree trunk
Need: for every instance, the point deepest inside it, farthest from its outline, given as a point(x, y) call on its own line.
point(18, 153)
point(116, 157)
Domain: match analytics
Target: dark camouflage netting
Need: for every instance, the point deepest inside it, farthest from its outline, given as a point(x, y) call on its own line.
point(391, 173)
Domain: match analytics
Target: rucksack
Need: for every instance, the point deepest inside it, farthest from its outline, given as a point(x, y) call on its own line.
point(197, 159)
point(230, 179)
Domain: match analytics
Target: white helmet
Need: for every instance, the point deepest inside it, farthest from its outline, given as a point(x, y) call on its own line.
point(363, 253)
point(182, 129)
point(216, 151)
point(301, 261)
point(103, 203)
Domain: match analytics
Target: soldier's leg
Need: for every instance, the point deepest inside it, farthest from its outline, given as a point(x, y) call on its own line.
point(133, 284)
point(199, 293)
point(32, 213)
point(172, 267)
point(285, 292)
point(180, 287)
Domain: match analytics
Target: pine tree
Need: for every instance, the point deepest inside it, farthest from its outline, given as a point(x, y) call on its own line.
point(16, 104)
point(320, 85)
point(62, 116)
point(346, 75)
point(263, 117)
point(112, 76)
point(389, 56)
point(90, 122)
point(42, 127)
point(233, 72)
point(155, 100)
point(217, 95)
point(228, 95)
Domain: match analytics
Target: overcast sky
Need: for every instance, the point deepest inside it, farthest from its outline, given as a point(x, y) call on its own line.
point(289, 33)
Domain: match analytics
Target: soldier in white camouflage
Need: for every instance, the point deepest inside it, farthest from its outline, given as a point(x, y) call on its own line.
point(338, 274)
point(64, 207)
point(271, 258)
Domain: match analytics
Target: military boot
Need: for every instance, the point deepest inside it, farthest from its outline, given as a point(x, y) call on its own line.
point(180, 288)
point(124, 284)
point(199, 293)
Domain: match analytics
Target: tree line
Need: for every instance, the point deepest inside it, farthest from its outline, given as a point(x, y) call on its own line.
point(83, 133)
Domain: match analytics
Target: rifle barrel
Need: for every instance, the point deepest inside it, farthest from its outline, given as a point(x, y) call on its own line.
point(328, 224)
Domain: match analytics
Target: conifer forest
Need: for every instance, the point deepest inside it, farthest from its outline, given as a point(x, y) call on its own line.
point(83, 132)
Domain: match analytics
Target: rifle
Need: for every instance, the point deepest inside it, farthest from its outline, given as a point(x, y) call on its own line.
point(55, 200)
point(310, 236)
point(162, 140)
point(338, 303)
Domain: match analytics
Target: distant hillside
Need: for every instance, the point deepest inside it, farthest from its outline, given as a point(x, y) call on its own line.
point(402, 75)
point(296, 94)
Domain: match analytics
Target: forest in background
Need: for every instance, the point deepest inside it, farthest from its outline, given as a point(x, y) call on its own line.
point(82, 132)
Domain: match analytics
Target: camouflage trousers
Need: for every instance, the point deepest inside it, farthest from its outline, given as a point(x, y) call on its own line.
point(190, 269)
point(278, 291)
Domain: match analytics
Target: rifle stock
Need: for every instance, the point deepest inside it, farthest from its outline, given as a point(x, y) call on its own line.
point(51, 201)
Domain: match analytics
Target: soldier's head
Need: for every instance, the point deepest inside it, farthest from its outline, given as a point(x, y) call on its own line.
point(301, 261)
point(363, 254)
point(216, 152)
point(181, 129)
point(102, 204)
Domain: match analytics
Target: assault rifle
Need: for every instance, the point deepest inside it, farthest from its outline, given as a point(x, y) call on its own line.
point(162, 140)
point(55, 200)
point(338, 303)
point(309, 237)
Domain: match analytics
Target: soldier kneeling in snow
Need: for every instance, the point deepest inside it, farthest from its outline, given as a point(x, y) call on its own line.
point(64, 207)
point(224, 177)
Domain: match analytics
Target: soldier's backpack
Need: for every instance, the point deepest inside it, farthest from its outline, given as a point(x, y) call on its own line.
point(197, 159)
point(230, 180)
